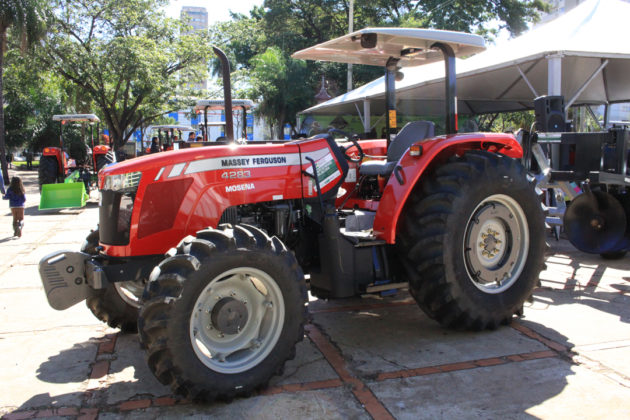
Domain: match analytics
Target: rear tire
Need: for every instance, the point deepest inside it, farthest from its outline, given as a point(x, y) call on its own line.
point(48, 170)
point(118, 304)
point(472, 240)
point(223, 315)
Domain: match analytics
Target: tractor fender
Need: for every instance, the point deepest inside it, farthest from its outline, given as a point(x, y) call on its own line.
point(59, 155)
point(409, 169)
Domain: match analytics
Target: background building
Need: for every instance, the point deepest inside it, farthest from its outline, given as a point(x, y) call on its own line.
point(197, 17)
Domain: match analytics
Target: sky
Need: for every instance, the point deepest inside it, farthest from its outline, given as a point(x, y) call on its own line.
point(218, 10)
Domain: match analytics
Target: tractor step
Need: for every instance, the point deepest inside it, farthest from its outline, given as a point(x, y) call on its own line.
point(385, 287)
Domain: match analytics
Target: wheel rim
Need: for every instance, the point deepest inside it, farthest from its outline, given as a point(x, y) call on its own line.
point(237, 320)
point(496, 244)
point(130, 292)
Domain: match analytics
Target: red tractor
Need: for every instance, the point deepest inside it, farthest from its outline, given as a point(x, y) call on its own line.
point(205, 249)
point(54, 163)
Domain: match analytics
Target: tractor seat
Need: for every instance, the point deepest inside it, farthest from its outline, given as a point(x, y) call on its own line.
point(411, 133)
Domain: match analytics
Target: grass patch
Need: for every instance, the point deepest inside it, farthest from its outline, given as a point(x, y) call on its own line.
point(22, 165)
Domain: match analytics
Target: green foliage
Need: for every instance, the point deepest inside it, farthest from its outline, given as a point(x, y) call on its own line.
point(240, 40)
point(259, 45)
point(32, 96)
point(472, 15)
point(24, 19)
point(273, 76)
point(74, 142)
point(126, 57)
point(507, 121)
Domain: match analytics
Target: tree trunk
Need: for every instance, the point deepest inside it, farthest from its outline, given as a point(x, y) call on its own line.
point(116, 137)
point(281, 126)
point(3, 154)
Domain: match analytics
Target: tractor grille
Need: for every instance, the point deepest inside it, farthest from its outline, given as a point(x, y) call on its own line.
point(115, 217)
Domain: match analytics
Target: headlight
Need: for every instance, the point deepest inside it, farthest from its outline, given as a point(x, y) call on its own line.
point(122, 183)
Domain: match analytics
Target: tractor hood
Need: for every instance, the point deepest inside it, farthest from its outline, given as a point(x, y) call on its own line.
point(183, 158)
point(149, 203)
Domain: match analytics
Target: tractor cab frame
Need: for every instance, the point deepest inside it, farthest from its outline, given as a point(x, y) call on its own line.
point(241, 106)
point(166, 134)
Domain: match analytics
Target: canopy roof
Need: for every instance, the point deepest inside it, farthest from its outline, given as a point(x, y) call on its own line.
point(172, 127)
point(76, 117)
point(583, 55)
point(219, 104)
point(374, 46)
point(213, 123)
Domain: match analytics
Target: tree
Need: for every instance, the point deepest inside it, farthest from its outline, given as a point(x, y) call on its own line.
point(25, 19)
point(302, 21)
point(273, 78)
point(506, 121)
point(32, 96)
point(127, 57)
point(260, 44)
point(472, 15)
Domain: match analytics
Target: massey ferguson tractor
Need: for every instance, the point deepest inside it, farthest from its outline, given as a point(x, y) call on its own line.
point(205, 250)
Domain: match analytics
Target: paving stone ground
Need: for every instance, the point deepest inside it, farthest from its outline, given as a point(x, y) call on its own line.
point(360, 358)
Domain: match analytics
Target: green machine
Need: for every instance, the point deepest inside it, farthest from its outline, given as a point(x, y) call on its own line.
point(62, 184)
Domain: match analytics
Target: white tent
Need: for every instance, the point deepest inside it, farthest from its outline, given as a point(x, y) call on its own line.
point(583, 55)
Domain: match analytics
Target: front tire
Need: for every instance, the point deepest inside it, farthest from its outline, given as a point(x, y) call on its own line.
point(118, 304)
point(473, 241)
point(223, 314)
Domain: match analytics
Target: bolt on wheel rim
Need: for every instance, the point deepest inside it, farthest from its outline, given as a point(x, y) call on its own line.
point(130, 292)
point(496, 244)
point(237, 320)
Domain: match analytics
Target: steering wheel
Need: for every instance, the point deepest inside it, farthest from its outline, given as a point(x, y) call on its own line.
point(355, 142)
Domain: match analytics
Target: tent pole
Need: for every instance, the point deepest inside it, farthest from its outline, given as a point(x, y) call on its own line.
point(366, 116)
point(377, 122)
point(593, 116)
point(607, 106)
point(518, 79)
point(554, 88)
point(588, 81)
point(554, 75)
point(359, 113)
point(531, 87)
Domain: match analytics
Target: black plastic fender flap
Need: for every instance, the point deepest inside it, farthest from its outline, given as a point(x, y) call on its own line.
point(63, 275)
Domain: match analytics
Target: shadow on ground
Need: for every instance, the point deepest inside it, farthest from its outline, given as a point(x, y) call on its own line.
point(538, 380)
